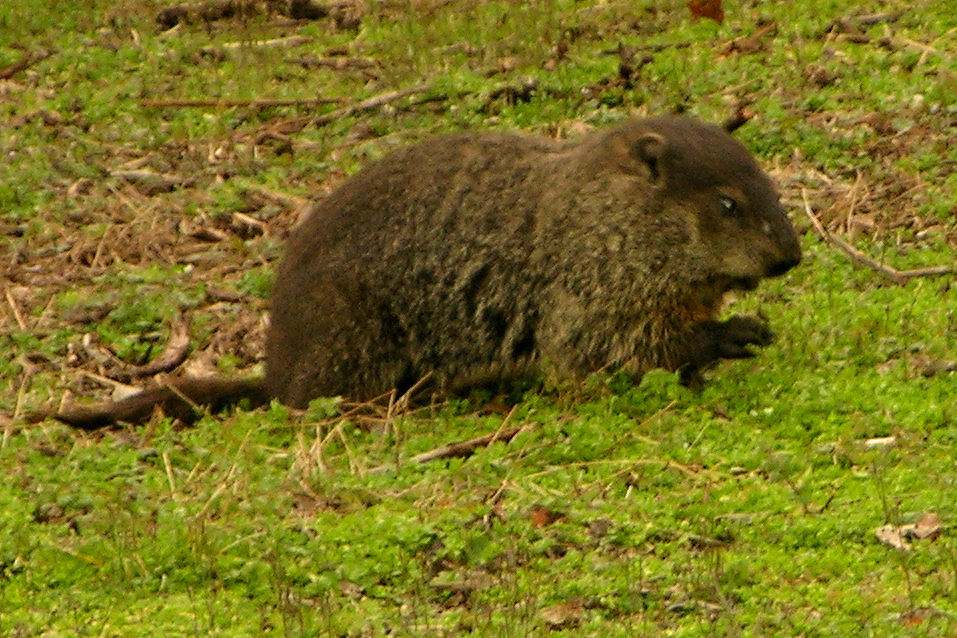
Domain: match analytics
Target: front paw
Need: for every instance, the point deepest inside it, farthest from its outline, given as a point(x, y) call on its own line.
point(737, 333)
point(711, 341)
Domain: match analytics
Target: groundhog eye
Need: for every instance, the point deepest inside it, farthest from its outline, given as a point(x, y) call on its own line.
point(728, 205)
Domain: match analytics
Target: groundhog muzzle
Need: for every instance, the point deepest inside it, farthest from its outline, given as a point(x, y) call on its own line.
point(478, 257)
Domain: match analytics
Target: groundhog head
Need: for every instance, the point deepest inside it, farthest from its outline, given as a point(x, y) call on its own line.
point(737, 230)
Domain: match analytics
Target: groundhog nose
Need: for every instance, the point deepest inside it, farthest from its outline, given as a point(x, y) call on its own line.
point(785, 264)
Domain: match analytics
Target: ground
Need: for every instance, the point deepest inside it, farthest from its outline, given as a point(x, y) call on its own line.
point(153, 163)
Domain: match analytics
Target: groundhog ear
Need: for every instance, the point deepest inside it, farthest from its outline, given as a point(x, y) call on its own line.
point(650, 149)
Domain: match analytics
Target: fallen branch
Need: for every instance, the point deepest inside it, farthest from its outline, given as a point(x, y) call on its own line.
point(754, 43)
point(899, 277)
point(13, 230)
point(307, 10)
point(16, 310)
point(371, 104)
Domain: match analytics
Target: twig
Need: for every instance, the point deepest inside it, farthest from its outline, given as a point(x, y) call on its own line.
point(169, 477)
point(119, 372)
point(899, 277)
point(223, 102)
point(15, 309)
point(23, 63)
point(29, 369)
point(880, 17)
point(464, 449)
point(404, 401)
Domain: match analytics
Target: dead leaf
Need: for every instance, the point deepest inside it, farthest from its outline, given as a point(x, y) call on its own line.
point(542, 516)
point(710, 9)
point(926, 527)
point(562, 616)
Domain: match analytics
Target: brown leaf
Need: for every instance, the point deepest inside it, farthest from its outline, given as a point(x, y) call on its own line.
point(927, 526)
point(562, 616)
point(710, 9)
point(542, 516)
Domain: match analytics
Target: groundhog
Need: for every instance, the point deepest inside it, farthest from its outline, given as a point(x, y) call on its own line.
point(478, 257)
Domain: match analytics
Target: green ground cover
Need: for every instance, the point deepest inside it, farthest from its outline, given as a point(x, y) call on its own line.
point(622, 508)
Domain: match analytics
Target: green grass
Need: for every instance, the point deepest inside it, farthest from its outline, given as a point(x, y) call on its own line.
point(624, 508)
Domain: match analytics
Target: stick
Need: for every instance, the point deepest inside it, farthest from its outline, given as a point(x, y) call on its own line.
point(22, 64)
point(899, 277)
point(464, 449)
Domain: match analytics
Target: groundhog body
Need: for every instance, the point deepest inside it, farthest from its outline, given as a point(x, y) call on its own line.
point(477, 256)
point(472, 257)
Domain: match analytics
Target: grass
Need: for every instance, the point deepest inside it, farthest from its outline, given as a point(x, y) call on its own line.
point(625, 507)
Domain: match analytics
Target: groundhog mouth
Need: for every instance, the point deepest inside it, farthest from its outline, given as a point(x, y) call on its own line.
point(742, 283)
point(710, 296)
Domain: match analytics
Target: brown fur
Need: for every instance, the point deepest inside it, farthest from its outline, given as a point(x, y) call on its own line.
point(476, 257)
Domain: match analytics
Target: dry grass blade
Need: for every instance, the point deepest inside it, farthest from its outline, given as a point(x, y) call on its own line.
point(14, 309)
